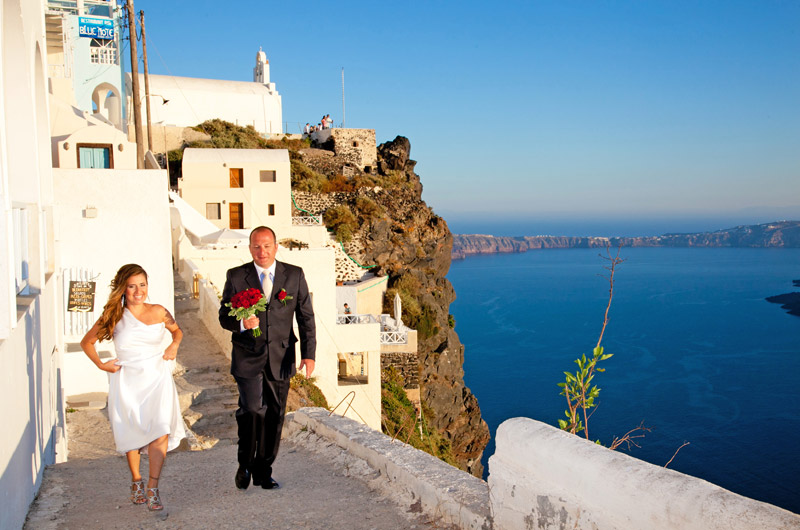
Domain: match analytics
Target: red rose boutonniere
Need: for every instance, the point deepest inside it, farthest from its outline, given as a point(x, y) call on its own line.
point(282, 296)
point(246, 304)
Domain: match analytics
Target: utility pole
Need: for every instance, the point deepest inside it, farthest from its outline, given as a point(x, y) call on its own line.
point(343, 120)
point(137, 110)
point(146, 85)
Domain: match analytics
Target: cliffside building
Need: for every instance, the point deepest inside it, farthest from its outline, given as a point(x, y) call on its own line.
point(225, 193)
point(239, 188)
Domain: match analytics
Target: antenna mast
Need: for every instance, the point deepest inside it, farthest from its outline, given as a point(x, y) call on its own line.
point(343, 120)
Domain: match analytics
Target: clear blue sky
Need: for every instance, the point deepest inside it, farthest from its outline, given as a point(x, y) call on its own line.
point(683, 112)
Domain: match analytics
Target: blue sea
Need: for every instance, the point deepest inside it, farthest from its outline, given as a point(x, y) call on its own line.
point(699, 355)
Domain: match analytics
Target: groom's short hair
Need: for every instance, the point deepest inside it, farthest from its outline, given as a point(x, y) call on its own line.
point(261, 229)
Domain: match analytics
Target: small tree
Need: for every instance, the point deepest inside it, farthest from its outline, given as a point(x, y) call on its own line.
point(577, 388)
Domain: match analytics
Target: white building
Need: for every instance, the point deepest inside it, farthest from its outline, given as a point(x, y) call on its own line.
point(79, 221)
point(84, 64)
point(236, 190)
point(189, 101)
point(33, 433)
point(239, 188)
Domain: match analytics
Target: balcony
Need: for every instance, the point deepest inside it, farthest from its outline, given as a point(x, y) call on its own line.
point(356, 319)
point(306, 220)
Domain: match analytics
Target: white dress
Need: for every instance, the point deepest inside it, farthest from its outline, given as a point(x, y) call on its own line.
point(142, 400)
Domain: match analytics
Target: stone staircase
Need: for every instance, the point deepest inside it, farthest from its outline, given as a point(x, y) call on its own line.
point(206, 390)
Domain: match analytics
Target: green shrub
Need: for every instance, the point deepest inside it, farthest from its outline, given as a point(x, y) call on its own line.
point(299, 382)
point(399, 419)
point(337, 183)
point(368, 209)
point(304, 178)
point(411, 308)
point(339, 216)
point(227, 135)
point(344, 233)
point(425, 324)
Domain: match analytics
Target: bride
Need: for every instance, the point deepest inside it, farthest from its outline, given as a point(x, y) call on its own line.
point(143, 406)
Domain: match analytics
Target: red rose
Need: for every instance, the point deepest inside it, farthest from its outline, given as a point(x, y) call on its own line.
point(282, 295)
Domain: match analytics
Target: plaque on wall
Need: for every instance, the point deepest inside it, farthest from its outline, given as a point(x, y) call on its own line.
point(81, 297)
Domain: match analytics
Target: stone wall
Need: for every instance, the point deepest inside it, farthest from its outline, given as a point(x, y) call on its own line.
point(455, 498)
point(317, 203)
point(357, 147)
point(406, 364)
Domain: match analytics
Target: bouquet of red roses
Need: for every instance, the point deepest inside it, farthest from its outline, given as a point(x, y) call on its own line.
point(246, 304)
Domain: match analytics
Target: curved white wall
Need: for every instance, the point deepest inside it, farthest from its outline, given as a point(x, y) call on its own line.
point(542, 477)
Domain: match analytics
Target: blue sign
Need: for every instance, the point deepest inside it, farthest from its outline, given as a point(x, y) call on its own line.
point(96, 28)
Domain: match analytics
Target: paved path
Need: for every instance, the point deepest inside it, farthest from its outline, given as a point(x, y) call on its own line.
point(322, 486)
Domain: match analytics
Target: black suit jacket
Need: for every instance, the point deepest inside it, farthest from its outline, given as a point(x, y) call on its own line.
point(275, 348)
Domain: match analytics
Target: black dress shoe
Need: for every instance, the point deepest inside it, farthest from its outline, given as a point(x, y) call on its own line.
point(270, 484)
point(242, 478)
point(257, 479)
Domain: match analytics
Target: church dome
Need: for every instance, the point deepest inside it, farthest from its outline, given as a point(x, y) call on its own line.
point(261, 57)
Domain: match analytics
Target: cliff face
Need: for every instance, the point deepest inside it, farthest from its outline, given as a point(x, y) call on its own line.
point(778, 234)
point(412, 246)
point(413, 241)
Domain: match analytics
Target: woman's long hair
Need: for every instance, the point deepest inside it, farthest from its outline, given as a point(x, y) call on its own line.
point(112, 312)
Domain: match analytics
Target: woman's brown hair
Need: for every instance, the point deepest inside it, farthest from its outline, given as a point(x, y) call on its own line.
point(112, 312)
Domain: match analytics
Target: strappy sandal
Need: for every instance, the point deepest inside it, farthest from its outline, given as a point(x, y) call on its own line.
point(153, 498)
point(137, 492)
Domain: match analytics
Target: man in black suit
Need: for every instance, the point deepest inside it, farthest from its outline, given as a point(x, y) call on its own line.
point(262, 366)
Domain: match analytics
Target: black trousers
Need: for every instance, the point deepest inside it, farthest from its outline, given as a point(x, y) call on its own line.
point(262, 407)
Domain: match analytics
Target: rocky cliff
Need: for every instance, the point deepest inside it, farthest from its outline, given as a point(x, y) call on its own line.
point(400, 234)
point(777, 234)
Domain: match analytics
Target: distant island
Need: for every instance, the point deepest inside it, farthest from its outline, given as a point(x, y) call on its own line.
point(768, 235)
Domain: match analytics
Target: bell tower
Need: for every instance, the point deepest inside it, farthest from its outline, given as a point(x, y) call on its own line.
point(261, 70)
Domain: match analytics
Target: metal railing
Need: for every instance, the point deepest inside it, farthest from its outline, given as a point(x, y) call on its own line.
point(356, 319)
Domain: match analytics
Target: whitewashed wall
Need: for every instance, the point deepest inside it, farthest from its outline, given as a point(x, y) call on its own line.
point(541, 477)
point(192, 101)
point(206, 179)
point(33, 434)
point(132, 225)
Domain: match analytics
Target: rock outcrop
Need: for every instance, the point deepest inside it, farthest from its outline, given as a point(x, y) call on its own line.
point(412, 245)
point(777, 234)
point(413, 242)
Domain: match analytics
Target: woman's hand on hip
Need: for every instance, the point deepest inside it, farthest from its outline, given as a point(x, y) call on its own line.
point(171, 352)
point(110, 366)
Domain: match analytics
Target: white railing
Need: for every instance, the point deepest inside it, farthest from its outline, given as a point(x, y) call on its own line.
point(306, 221)
point(394, 337)
point(356, 319)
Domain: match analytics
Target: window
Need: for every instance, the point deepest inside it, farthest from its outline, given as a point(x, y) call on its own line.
point(21, 256)
point(213, 210)
point(103, 51)
point(267, 176)
point(237, 177)
point(95, 156)
point(96, 8)
point(271, 209)
point(236, 215)
point(353, 368)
